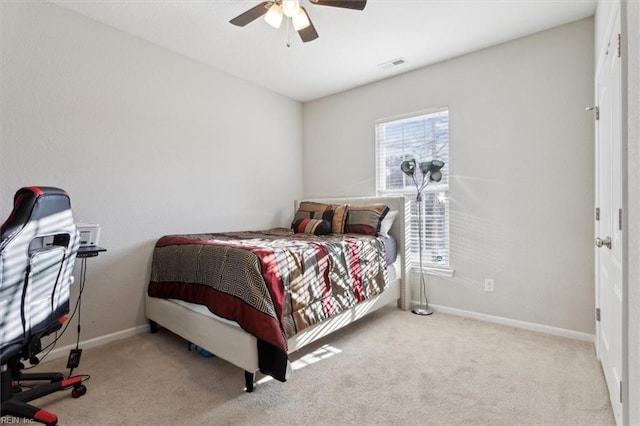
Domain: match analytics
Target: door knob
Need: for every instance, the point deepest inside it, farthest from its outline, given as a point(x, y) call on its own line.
point(606, 242)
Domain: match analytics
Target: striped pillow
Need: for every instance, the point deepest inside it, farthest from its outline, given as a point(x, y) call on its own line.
point(365, 219)
point(340, 213)
point(313, 210)
point(312, 226)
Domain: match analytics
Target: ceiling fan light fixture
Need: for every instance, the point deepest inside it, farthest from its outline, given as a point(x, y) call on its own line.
point(274, 16)
point(300, 21)
point(275, 11)
point(290, 8)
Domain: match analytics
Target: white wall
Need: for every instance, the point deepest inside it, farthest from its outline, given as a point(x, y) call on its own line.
point(146, 142)
point(521, 161)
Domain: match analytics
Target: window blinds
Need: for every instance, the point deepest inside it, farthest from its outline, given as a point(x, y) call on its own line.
point(423, 136)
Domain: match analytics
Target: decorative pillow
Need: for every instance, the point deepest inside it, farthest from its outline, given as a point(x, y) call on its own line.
point(387, 222)
point(312, 226)
point(365, 219)
point(313, 210)
point(340, 213)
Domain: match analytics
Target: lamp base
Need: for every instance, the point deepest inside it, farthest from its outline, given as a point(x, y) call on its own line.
point(422, 310)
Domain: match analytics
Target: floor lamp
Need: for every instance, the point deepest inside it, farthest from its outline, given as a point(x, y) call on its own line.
point(430, 171)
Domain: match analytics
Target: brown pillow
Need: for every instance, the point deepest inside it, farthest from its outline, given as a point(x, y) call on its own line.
point(365, 219)
point(340, 213)
point(313, 210)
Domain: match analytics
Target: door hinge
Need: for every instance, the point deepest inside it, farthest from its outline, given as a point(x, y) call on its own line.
point(621, 391)
point(597, 213)
point(620, 219)
point(596, 111)
point(619, 46)
point(597, 314)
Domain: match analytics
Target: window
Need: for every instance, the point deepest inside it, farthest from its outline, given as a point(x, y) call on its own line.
point(423, 136)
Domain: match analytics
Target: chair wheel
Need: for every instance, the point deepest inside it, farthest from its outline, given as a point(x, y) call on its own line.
point(78, 391)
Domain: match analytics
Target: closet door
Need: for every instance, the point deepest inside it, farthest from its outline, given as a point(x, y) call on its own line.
point(608, 225)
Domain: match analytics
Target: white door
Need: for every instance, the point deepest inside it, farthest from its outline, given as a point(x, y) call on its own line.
point(608, 251)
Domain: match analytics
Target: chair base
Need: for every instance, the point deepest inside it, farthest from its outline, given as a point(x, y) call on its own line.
point(15, 400)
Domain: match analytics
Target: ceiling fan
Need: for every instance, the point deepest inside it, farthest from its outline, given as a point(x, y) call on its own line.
point(274, 11)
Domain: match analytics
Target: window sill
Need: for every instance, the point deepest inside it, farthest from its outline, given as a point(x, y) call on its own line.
point(438, 272)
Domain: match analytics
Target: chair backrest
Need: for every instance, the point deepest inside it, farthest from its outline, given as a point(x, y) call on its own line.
point(38, 245)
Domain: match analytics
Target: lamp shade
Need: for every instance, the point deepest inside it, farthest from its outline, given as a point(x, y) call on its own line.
point(425, 167)
point(274, 16)
point(436, 165)
point(436, 176)
point(434, 168)
point(290, 8)
point(301, 20)
point(408, 167)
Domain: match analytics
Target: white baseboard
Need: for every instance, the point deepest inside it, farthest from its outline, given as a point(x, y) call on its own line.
point(98, 341)
point(562, 332)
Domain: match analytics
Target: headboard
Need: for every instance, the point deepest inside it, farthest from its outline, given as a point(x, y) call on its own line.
point(399, 229)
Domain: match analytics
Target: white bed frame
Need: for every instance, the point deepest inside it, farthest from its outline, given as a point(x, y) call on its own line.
point(228, 341)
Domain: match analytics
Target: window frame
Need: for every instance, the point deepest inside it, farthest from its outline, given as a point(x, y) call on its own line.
point(410, 192)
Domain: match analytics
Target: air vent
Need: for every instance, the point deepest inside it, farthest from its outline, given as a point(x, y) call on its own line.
point(393, 63)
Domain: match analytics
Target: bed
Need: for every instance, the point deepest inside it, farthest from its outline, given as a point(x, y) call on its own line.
point(183, 311)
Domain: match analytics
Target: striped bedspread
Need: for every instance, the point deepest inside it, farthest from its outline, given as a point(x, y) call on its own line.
point(273, 283)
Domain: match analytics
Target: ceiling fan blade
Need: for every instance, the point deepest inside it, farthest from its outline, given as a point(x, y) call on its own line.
point(252, 14)
point(309, 33)
point(345, 4)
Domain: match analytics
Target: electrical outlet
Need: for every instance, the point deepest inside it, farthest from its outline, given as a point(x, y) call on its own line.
point(488, 284)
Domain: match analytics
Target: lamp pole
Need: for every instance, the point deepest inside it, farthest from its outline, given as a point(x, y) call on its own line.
point(421, 309)
point(430, 172)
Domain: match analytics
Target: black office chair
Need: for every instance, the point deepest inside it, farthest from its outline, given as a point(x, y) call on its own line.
point(38, 245)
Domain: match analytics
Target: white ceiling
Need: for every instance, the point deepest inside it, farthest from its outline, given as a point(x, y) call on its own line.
point(351, 44)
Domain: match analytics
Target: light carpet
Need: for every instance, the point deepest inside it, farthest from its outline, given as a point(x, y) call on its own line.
point(390, 368)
